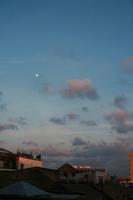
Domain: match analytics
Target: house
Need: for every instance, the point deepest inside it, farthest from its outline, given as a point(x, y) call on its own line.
point(7, 160)
point(100, 175)
point(68, 173)
point(12, 161)
point(84, 177)
point(27, 161)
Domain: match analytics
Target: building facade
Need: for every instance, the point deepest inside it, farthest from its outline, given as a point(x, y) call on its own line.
point(9, 160)
point(100, 175)
point(25, 161)
point(81, 174)
point(66, 173)
point(131, 166)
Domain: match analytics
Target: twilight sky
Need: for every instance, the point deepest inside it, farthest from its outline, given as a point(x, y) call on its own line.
point(66, 80)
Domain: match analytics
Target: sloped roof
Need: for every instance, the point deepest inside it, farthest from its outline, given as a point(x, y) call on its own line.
point(67, 166)
point(22, 189)
point(6, 153)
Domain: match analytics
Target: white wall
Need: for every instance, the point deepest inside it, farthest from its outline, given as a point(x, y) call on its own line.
point(29, 163)
point(92, 176)
point(98, 175)
point(84, 177)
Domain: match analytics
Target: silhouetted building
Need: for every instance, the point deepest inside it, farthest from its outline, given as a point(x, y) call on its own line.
point(9, 160)
point(82, 174)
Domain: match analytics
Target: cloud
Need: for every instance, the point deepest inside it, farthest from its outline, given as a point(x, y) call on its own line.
point(120, 120)
point(4, 127)
point(80, 89)
point(53, 163)
point(85, 109)
point(72, 116)
point(52, 151)
point(2, 107)
point(30, 143)
point(113, 156)
point(63, 120)
point(56, 120)
point(125, 82)
point(88, 123)
point(120, 101)
point(1, 95)
point(21, 121)
point(78, 141)
point(127, 65)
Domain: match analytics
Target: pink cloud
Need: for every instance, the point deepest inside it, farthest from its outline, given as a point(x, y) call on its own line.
point(128, 64)
point(120, 120)
point(79, 85)
point(72, 115)
point(80, 88)
point(128, 60)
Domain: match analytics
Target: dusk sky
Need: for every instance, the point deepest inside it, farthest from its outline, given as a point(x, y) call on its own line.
point(66, 81)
